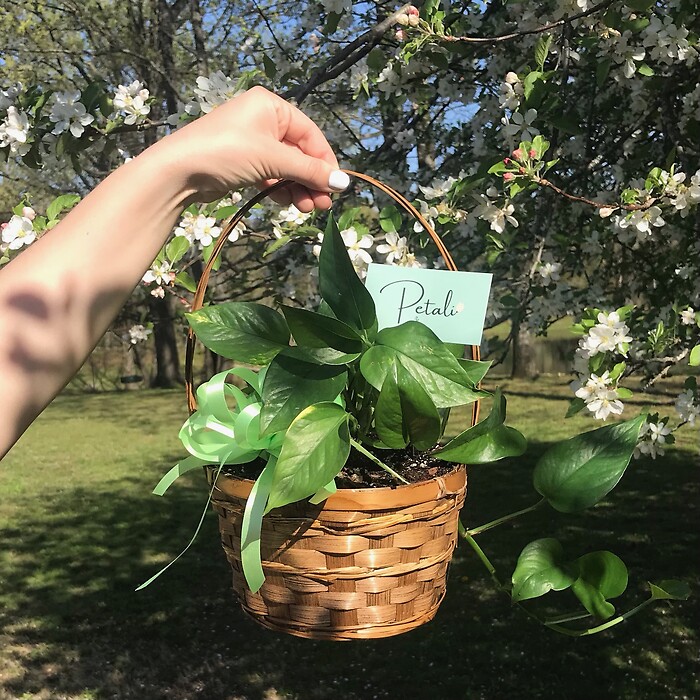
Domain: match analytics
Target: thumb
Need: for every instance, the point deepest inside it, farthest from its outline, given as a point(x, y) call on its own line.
point(285, 161)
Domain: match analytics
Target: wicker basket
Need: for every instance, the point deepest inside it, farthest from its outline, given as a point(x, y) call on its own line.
point(367, 563)
point(370, 563)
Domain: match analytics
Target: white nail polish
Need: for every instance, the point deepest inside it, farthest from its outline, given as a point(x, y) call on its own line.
point(338, 180)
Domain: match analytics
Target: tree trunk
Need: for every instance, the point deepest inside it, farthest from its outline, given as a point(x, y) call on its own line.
point(523, 353)
point(168, 372)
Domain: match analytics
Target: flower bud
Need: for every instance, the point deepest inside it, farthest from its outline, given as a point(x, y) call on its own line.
point(402, 19)
point(413, 20)
point(517, 154)
point(521, 170)
point(604, 212)
point(507, 161)
point(532, 153)
point(400, 35)
point(512, 78)
point(412, 11)
point(28, 213)
point(508, 176)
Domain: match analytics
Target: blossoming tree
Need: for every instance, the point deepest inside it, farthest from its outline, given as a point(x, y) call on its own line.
point(554, 144)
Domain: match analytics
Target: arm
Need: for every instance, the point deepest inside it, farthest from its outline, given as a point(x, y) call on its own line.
point(59, 296)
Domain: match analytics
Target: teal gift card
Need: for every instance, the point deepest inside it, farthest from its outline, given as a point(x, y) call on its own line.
point(452, 304)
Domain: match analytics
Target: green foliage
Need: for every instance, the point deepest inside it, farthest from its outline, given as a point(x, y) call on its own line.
point(541, 568)
point(577, 473)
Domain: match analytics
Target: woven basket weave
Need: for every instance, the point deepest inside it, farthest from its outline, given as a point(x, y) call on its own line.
point(367, 563)
point(370, 563)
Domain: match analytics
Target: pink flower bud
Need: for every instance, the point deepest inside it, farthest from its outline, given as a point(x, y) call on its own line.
point(400, 35)
point(3, 225)
point(517, 154)
point(508, 176)
point(413, 20)
point(413, 10)
point(402, 19)
point(28, 213)
point(507, 161)
point(532, 153)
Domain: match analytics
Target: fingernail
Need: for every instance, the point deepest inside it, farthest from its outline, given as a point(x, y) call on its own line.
point(338, 180)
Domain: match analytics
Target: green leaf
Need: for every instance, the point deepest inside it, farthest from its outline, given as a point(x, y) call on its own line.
point(314, 330)
point(487, 441)
point(575, 405)
point(61, 204)
point(602, 71)
point(542, 50)
point(601, 575)
point(176, 249)
point(623, 393)
point(541, 568)
point(269, 67)
point(388, 416)
point(646, 70)
point(426, 358)
point(476, 369)
point(694, 359)
point(241, 330)
point(376, 60)
point(321, 356)
point(669, 590)
point(529, 82)
point(315, 449)
point(291, 385)
point(418, 420)
point(577, 473)
point(185, 279)
point(339, 285)
point(390, 219)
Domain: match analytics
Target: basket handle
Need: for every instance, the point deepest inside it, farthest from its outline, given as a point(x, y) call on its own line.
point(238, 217)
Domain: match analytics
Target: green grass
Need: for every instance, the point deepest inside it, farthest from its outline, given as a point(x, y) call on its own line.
point(80, 530)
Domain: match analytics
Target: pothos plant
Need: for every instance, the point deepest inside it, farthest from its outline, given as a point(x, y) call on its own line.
point(345, 387)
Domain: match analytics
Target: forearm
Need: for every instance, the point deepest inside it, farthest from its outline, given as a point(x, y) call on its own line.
point(59, 296)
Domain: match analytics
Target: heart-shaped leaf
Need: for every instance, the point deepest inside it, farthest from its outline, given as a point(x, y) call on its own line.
point(315, 448)
point(579, 472)
point(670, 590)
point(314, 330)
point(601, 575)
point(291, 385)
point(541, 568)
point(425, 358)
point(487, 441)
point(241, 330)
point(339, 285)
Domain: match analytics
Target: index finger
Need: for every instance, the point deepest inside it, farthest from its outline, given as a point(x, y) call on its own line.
point(298, 129)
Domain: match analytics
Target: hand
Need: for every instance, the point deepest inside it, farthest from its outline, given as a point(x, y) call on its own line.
point(255, 139)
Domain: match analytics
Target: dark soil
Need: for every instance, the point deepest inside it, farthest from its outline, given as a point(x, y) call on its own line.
point(361, 472)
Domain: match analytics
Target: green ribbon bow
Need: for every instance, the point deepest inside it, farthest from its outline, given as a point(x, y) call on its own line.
point(218, 434)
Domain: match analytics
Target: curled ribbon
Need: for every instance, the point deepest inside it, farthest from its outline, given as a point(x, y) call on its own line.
point(218, 434)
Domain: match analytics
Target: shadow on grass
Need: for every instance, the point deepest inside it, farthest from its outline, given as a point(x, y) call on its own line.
point(73, 627)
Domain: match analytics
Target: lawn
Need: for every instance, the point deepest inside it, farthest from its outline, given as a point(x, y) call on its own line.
point(80, 530)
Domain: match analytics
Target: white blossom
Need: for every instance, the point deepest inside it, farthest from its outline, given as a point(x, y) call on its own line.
point(495, 215)
point(205, 230)
point(605, 404)
point(395, 248)
point(18, 232)
point(357, 245)
point(438, 188)
point(666, 41)
point(160, 272)
point(337, 6)
point(14, 131)
point(215, 90)
point(519, 126)
point(549, 272)
point(688, 316)
point(139, 333)
point(131, 100)
point(389, 81)
point(68, 114)
point(687, 407)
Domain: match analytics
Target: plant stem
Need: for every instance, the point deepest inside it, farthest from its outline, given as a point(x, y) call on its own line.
point(487, 526)
point(600, 628)
point(376, 460)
